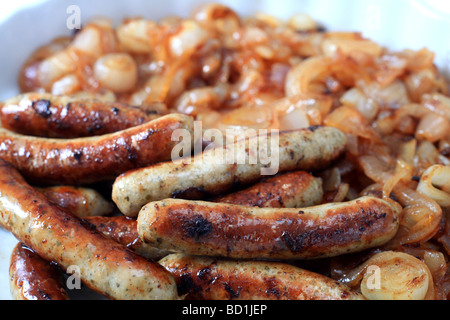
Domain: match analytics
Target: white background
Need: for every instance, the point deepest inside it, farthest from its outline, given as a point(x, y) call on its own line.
point(397, 24)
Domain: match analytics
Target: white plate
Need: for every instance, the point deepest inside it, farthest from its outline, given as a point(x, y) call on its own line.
point(399, 24)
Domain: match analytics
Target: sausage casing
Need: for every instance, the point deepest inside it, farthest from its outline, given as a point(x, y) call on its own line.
point(32, 278)
point(123, 230)
point(224, 230)
point(208, 173)
point(95, 159)
point(55, 235)
point(51, 116)
point(81, 202)
point(291, 190)
point(202, 278)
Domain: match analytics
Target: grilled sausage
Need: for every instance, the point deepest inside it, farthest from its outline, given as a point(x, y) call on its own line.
point(81, 202)
point(51, 116)
point(224, 230)
point(32, 278)
point(285, 191)
point(91, 160)
point(201, 278)
point(291, 190)
point(209, 173)
point(55, 235)
point(123, 230)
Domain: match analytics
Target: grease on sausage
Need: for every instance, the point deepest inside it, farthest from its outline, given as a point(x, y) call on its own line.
point(33, 278)
point(224, 230)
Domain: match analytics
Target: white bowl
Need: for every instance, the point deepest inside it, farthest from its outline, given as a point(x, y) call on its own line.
point(398, 25)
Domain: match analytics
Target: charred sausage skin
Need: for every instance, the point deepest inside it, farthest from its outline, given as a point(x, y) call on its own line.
point(50, 116)
point(91, 160)
point(224, 230)
point(291, 190)
point(202, 278)
point(285, 190)
point(32, 278)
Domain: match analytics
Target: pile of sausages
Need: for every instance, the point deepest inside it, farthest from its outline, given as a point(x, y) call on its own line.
point(172, 226)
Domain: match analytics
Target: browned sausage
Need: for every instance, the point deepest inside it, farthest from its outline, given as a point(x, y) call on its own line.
point(224, 230)
point(81, 202)
point(201, 278)
point(285, 191)
point(55, 235)
point(212, 174)
point(50, 116)
point(291, 190)
point(123, 230)
point(91, 160)
point(32, 278)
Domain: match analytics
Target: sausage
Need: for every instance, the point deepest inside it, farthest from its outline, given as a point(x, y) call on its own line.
point(123, 230)
point(81, 202)
point(209, 174)
point(224, 230)
point(51, 116)
point(56, 235)
point(32, 278)
point(91, 160)
point(291, 190)
point(202, 278)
